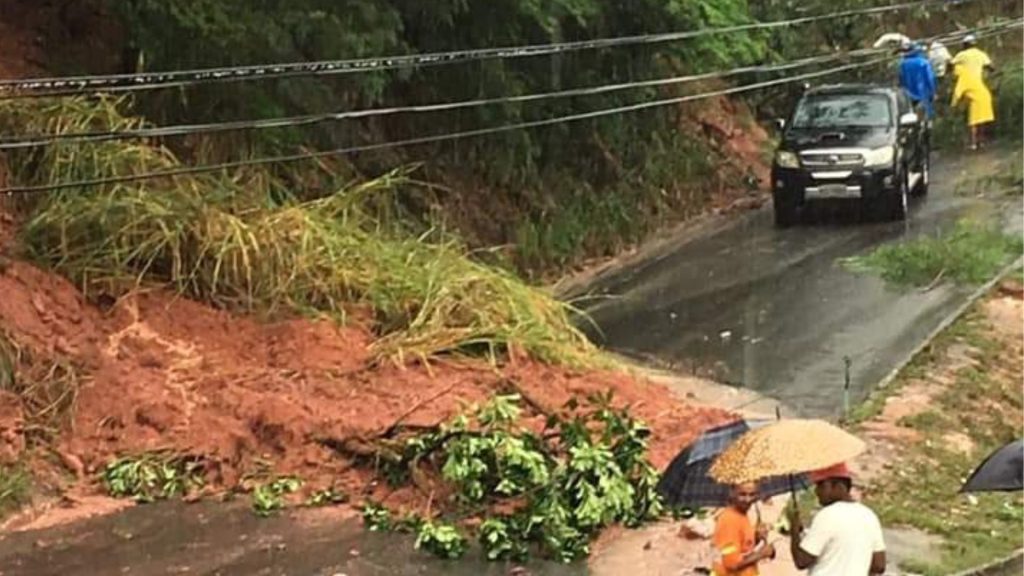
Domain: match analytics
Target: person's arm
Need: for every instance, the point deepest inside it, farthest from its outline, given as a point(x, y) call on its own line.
point(736, 562)
point(878, 562)
point(801, 558)
point(805, 548)
point(877, 548)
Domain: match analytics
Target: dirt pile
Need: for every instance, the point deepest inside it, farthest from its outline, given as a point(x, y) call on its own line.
point(161, 372)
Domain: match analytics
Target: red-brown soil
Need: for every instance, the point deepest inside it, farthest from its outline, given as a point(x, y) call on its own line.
point(163, 372)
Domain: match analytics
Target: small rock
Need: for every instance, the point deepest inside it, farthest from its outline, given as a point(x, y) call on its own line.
point(353, 553)
point(648, 545)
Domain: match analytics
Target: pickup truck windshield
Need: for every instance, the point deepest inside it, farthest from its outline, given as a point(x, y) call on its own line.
point(843, 110)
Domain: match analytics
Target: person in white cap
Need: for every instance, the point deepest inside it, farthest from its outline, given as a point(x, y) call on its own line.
point(969, 66)
point(940, 57)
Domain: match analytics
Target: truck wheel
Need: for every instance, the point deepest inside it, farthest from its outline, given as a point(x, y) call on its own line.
point(922, 184)
point(785, 212)
point(899, 201)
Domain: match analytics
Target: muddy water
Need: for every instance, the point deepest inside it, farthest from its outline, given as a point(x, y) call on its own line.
point(227, 540)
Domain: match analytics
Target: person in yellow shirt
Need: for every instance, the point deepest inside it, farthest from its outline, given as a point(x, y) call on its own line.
point(969, 66)
point(738, 545)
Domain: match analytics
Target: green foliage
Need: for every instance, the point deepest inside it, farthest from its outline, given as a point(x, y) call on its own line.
point(326, 497)
point(442, 540)
point(1008, 91)
point(377, 518)
point(153, 476)
point(531, 176)
point(970, 253)
point(268, 498)
point(586, 472)
point(243, 241)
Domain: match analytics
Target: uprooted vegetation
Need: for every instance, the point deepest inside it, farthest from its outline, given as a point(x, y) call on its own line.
point(243, 242)
point(549, 490)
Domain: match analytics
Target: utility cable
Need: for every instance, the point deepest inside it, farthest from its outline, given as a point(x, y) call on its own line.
point(203, 169)
point(192, 170)
point(178, 78)
point(36, 140)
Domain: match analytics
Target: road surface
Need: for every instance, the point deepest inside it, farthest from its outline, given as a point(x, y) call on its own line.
point(773, 311)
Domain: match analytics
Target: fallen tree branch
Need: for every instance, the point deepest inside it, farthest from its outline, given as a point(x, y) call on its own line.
point(394, 426)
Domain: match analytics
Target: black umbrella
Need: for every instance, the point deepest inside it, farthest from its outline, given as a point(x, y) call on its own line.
point(1002, 471)
point(686, 484)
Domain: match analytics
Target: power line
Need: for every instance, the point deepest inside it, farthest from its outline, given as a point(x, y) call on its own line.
point(203, 169)
point(36, 140)
point(145, 81)
point(192, 170)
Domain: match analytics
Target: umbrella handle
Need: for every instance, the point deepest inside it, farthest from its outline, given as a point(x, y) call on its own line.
point(792, 492)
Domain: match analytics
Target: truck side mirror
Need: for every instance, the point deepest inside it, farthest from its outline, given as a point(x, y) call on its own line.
point(909, 119)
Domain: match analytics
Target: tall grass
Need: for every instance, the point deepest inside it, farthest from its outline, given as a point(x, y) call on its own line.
point(244, 242)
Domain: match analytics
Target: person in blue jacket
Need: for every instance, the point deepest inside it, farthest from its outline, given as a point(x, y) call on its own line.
point(917, 78)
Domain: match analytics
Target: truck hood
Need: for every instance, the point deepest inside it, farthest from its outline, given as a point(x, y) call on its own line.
point(799, 139)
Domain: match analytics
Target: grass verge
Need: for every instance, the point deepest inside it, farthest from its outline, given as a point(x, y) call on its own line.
point(245, 241)
point(975, 410)
point(970, 253)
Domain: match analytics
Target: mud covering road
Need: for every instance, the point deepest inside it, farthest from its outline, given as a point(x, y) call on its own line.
point(773, 311)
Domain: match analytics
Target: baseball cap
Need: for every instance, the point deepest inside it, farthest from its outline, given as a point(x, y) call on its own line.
point(840, 470)
point(970, 39)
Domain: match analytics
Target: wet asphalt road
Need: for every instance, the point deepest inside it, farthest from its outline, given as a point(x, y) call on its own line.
point(772, 310)
point(214, 539)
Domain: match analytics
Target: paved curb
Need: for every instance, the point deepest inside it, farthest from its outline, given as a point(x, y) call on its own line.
point(947, 322)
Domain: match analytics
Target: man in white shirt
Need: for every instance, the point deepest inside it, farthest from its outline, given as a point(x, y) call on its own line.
point(845, 537)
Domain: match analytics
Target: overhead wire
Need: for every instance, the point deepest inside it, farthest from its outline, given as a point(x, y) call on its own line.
point(36, 140)
point(19, 88)
point(290, 158)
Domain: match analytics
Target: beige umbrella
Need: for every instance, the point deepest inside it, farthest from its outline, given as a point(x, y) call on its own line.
point(783, 448)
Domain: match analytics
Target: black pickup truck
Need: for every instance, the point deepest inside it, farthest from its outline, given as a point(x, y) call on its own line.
point(856, 144)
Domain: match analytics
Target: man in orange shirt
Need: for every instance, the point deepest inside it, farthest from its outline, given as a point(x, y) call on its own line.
point(735, 538)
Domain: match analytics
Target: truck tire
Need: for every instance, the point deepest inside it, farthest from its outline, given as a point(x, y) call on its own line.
point(785, 212)
point(926, 167)
point(899, 201)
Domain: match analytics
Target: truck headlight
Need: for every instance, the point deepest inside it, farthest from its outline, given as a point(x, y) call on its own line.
point(785, 159)
point(880, 156)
